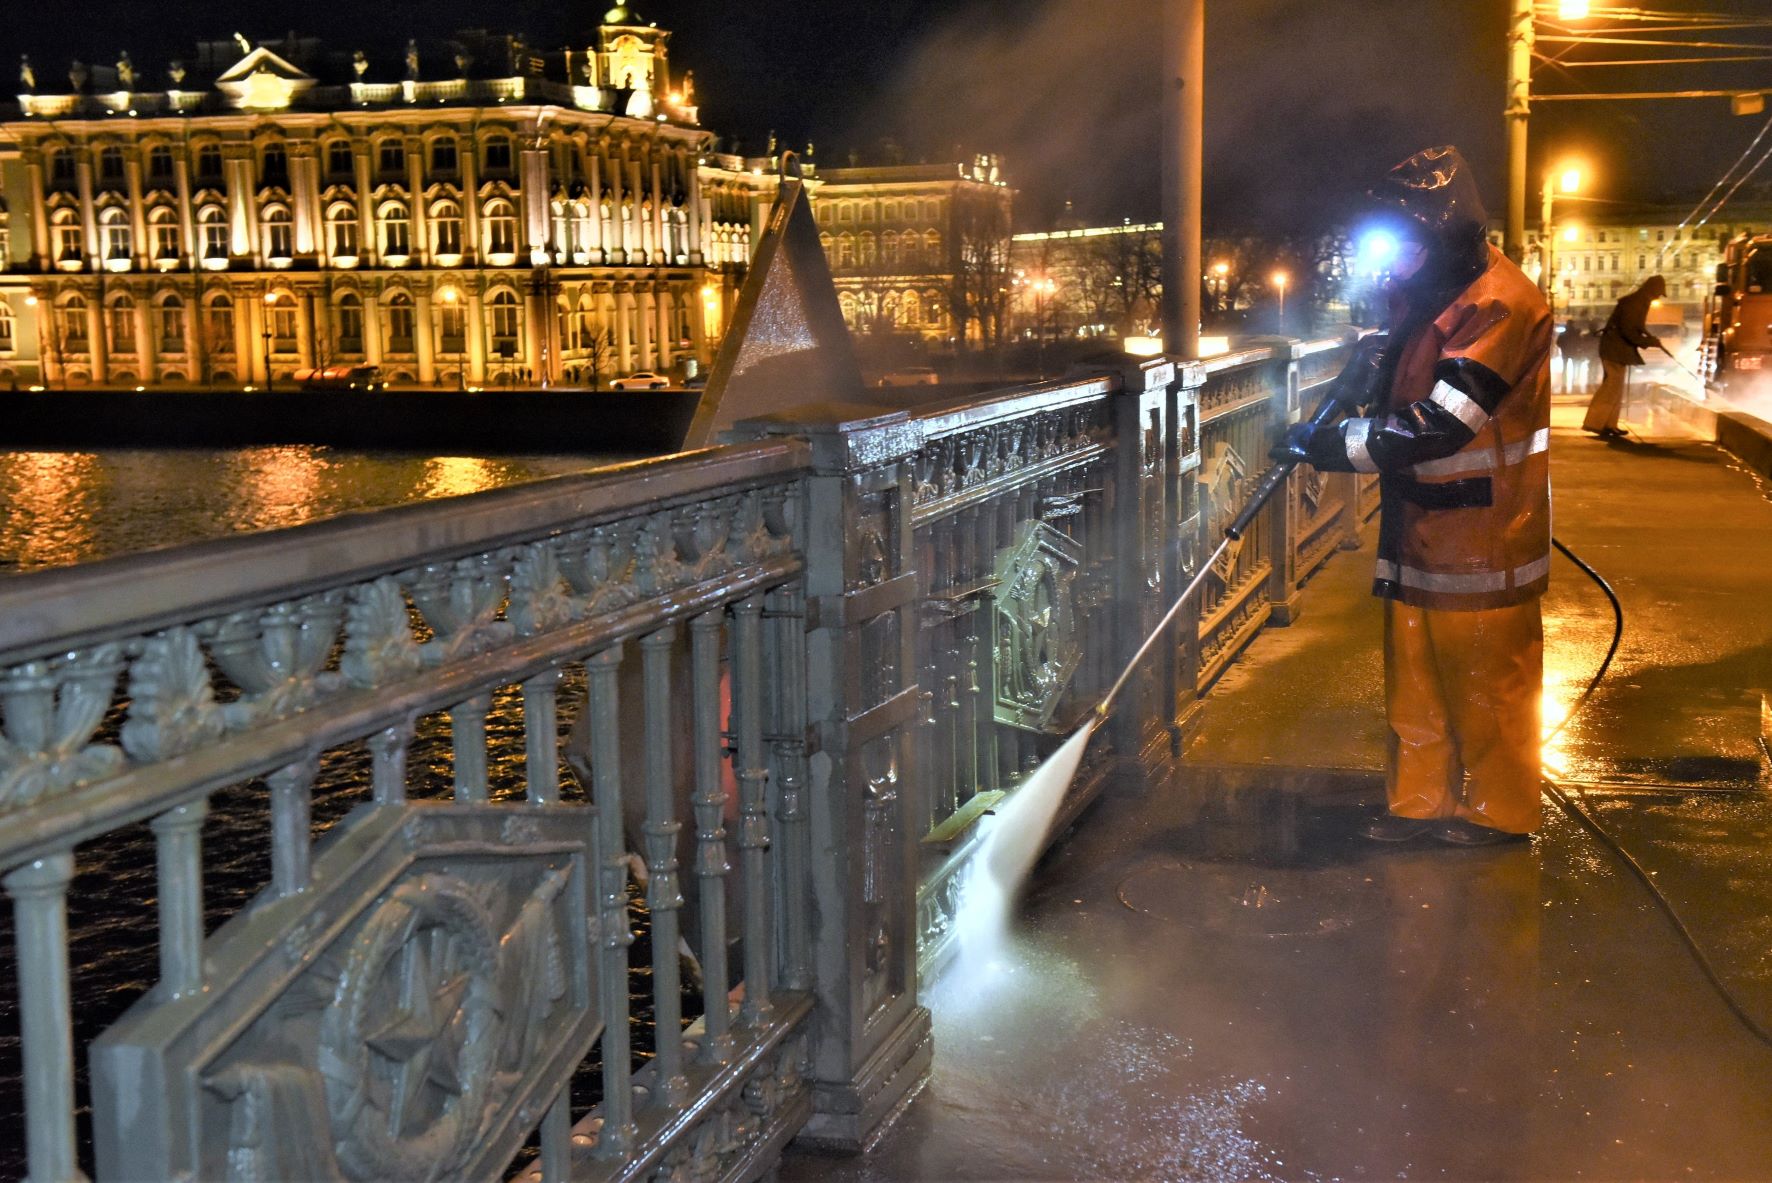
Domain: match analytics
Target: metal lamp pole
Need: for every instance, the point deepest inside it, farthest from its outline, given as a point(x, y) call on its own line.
point(270, 303)
point(1520, 40)
point(1184, 86)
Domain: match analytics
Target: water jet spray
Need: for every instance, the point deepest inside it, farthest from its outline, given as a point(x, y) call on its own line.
point(1018, 832)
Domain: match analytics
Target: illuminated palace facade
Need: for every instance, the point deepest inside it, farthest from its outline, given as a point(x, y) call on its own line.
point(474, 214)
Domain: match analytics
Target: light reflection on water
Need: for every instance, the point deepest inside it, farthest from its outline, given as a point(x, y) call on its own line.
point(58, 508)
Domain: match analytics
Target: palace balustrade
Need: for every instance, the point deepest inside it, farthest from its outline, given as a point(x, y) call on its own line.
point(790, 674)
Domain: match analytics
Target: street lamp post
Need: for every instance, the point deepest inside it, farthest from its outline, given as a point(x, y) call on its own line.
point(1043, 287)
point(1281, 279)
point(32, 302)
point(270, 303)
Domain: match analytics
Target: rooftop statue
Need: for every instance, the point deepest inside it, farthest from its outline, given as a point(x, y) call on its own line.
point(412, 60)
point(27, 76)
point(125, 72)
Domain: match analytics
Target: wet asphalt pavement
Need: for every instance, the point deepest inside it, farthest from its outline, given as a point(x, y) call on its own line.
point(1220, 981)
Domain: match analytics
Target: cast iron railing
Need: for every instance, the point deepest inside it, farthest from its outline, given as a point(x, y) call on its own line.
point(791, 674)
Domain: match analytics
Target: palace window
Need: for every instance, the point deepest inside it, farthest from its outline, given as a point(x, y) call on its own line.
point(274, 168)
point(402, 322)
point(393, 158)
point(121, 326)
point(110, 167)
point(446, 229)
point(932, 247)
point(160, 166)
point(74, 323)
point(350, 323)
point(214, 224)
point(8, 336)
point(219, 325)
point(501, 230)
point(341, 232)
point(163, 226)
point(282, 317)
point(340, 162)
point(279, 233)
point(443, 156)
point(172, 325)
point(396, 230)
point(209, 164)
point(889, 247)
point(866, 254)
point(70, 246)
point(61, 168)
point(119, 241)
point(504, 324)
point(498, 155)
point(913, 309)
point(845, 249)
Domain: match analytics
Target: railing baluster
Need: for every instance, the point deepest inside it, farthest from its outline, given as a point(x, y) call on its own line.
point(614, 932)
point(467, 734)
point(556, 1139)
point(178, 850)
point(753, 833)
point(389, 749)
point(40, 915)
point(292, 792)
point(794, 843)
point(541, 733)
point(711, 867)
point(663, 899)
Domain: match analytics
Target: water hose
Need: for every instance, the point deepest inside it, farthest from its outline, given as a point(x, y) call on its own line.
point(1605, 838)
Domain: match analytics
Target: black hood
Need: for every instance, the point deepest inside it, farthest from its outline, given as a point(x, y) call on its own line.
point(1435, 197)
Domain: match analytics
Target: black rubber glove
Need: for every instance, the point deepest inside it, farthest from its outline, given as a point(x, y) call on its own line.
point(1295, 446)
point(1357, 385)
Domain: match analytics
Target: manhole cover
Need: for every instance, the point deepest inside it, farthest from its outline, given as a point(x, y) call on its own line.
point(1256, 901)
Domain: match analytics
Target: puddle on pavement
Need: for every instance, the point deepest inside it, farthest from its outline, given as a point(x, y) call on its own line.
point(1230, 898)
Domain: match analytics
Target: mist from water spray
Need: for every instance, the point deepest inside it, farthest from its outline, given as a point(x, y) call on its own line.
point(1012, 842)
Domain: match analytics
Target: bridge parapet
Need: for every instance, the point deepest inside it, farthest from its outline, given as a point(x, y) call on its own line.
point(791, 673)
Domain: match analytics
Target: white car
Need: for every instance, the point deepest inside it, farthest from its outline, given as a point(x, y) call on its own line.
point(912, 376)
point(640, 380)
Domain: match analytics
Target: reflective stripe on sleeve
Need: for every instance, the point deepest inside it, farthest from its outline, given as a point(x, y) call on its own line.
point(1480, 458)
point(1460, 404)
point(1473, 583)
point(1353, 438)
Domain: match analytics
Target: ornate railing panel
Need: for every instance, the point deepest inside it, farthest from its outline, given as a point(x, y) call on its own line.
point(411, 998)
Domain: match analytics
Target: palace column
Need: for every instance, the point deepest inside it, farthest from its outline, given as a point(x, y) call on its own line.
point(415, 185)
point(663, 303)
point(237, 169)
point(368, 248)
point(187, 223)
point(88, 215)
point(645, 314)
point(138, 214)
point(372, 328)
point(597, 253)
point(40, 241)
point(424, 332)
point(475, 329)
point(304, 185)
point(624, 331)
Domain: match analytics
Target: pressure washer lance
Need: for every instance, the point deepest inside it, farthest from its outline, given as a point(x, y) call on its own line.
point(1703, 383)
point(1270, 483)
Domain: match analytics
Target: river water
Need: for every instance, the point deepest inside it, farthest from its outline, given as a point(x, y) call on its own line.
point(60, 508)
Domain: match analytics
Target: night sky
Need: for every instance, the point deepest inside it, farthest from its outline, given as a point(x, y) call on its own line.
point(1307, 99)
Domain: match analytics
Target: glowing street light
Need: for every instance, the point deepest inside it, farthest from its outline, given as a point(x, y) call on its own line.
point(1568, 179)
point(1280, 279)
point(1572, 10)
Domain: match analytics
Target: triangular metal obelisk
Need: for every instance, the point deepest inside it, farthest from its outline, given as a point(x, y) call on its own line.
point(787, 345)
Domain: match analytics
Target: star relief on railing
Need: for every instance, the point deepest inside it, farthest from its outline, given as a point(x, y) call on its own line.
point(51, 709)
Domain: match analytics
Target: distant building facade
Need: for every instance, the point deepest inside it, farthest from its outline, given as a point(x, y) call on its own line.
point(919, 249)
point(472, 213)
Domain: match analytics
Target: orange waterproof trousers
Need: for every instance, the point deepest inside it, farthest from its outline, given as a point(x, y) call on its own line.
point(1462, 691)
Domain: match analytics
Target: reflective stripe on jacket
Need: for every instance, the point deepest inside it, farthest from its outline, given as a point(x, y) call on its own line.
point(1471, 530)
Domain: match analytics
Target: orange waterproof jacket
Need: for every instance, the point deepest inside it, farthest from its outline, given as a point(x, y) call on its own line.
point(1472, 530)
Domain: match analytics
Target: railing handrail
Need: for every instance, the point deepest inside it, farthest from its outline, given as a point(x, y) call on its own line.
point(51, 611)
point(1011, 403)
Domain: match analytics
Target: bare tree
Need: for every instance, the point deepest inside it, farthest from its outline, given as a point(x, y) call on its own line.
point(1120, 278)
point(979, 292)
point(598, 348)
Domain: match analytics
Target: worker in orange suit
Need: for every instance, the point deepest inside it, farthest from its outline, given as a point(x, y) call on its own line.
point(1453, 413)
